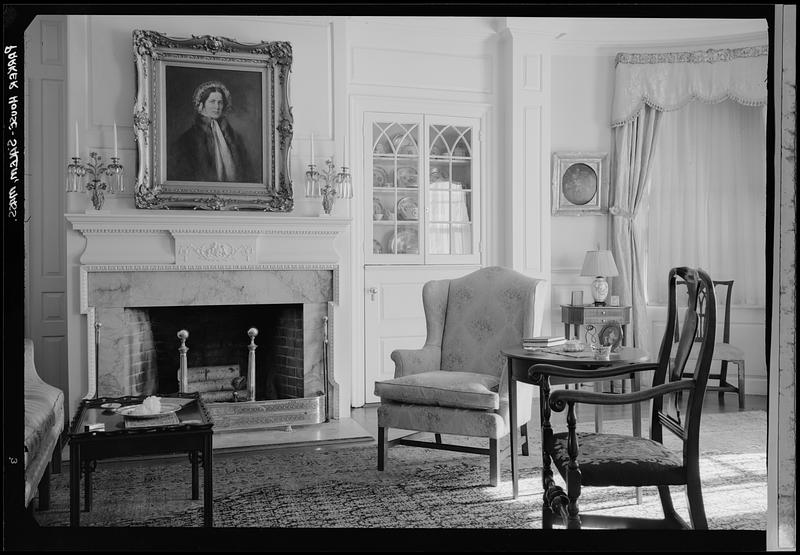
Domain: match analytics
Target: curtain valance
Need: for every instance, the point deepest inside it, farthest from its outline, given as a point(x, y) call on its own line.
point(668, 81)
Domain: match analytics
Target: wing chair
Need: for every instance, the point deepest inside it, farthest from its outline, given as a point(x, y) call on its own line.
point(455, 384)
point(601, 460)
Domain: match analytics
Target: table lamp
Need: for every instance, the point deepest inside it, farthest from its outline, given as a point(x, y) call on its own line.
point(599, 264)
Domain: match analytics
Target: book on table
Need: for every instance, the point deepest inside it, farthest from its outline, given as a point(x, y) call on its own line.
point(543, 341)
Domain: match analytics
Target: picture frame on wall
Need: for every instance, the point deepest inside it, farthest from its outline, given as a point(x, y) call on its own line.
point(579, 183)
point(213, 123)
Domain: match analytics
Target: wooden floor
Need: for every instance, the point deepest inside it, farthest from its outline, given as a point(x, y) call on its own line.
point(367, 416)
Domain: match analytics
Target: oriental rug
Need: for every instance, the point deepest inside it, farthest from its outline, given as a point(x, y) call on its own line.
point(339, 487)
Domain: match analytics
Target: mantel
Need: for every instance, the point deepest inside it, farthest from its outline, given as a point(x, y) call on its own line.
point(190, 237)
point(142, 221)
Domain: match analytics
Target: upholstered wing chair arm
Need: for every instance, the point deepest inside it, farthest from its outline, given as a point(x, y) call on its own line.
point(559, 399)
point(416, 361)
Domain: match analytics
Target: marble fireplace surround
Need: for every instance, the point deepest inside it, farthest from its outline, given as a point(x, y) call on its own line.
point(138, 259)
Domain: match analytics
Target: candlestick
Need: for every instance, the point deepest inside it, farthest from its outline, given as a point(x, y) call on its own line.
point(116, 154)
point(312, 148)
point(77, 147)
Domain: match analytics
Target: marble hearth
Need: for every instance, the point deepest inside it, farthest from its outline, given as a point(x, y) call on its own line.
point(139, 260)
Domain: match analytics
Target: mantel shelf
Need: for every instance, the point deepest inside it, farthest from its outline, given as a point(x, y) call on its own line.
point(200, 222)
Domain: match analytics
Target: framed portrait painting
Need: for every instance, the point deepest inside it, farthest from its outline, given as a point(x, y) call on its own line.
point(580, 183)
point(213, 123)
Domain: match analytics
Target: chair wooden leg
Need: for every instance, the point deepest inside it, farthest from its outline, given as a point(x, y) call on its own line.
point(44, 490)
point(494, 462)
point(740, 383)
point(547, 517)
point(383, 446)
point(524, 432)
point(694, 496)
point(666, 504)
point(55, 460)
point(723, 377)
point(438, 437)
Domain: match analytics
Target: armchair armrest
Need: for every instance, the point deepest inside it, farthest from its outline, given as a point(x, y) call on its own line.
point(416, 361)
point(560, 398)
point(605, 372)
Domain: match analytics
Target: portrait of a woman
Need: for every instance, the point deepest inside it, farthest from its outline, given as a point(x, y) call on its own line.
point(211, 149)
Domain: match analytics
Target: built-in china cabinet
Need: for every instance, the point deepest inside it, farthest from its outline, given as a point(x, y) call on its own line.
point(424, 190)
point(422, 221)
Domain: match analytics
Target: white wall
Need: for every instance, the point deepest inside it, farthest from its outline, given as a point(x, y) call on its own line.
point(581, 115)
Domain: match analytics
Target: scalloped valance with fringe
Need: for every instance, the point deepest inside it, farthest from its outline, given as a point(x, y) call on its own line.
point(668, 81)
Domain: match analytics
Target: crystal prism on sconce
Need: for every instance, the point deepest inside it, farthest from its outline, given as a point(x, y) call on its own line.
point(95, 185)
point(328, 184)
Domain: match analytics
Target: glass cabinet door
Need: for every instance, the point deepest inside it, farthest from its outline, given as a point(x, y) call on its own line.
point(450, 190)
point(396, 153)
point(423, 189)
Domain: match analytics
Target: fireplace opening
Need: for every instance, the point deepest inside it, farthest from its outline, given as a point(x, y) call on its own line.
point(218, 342)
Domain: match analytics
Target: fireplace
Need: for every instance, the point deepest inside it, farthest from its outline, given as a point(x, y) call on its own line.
point(138, 312)
point(140, 270)
point(217, 355)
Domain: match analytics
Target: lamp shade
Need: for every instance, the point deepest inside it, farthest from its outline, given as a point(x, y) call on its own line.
point(599, 263)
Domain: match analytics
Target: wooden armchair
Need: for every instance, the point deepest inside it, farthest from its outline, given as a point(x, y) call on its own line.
point(584, 459)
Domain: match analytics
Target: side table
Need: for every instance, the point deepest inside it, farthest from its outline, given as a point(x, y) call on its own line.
point(582, 315)
point(192, 435)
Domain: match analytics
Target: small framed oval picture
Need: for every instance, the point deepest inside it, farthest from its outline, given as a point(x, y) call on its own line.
point(580, 183)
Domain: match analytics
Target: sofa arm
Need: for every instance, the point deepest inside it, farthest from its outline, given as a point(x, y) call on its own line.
point(416, 361)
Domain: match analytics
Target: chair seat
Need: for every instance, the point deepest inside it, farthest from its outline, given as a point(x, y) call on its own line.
point(610, 459)
point(468, 390)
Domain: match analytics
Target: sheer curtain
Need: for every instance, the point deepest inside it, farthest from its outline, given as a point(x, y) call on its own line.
point(707, 202)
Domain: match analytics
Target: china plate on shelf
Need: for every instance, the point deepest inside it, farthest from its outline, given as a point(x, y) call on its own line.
point(133, 411)
point(380, 178)
point(407, 177)
point(404, 241)
point(404, 144)
point(407, 209)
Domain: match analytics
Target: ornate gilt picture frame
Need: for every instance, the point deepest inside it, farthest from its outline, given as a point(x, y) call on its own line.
point(579, 183)
point(213, 123)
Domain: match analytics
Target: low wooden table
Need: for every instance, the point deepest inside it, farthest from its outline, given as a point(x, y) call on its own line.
point(521, 360)
point(192, 435)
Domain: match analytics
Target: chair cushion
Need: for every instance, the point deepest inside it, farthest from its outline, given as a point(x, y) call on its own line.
point(467, 390)
point(618, 460)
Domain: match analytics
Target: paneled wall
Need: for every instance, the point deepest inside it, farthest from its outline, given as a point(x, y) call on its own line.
point(45, 264)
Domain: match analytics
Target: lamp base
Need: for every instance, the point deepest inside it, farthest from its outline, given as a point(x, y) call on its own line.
point(600, 290)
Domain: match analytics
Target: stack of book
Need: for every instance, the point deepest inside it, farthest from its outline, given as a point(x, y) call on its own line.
point(542, 342)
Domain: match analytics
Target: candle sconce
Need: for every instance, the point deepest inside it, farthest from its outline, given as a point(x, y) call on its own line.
point(95, 186)
point(328, 184)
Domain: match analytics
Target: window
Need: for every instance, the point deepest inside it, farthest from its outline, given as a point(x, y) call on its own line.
point(707, 202)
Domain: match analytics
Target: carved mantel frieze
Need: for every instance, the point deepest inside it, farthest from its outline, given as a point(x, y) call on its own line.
point(174, 237)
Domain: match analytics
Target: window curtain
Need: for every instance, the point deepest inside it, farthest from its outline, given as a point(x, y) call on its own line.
point(646, 85)
point(707, 204)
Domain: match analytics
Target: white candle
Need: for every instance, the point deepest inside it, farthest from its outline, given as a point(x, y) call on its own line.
point(116, 155)
point(77, 147)
point(346, 155)
point(312, 148)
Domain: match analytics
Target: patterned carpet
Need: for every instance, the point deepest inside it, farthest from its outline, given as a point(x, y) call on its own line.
point(334, 487)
